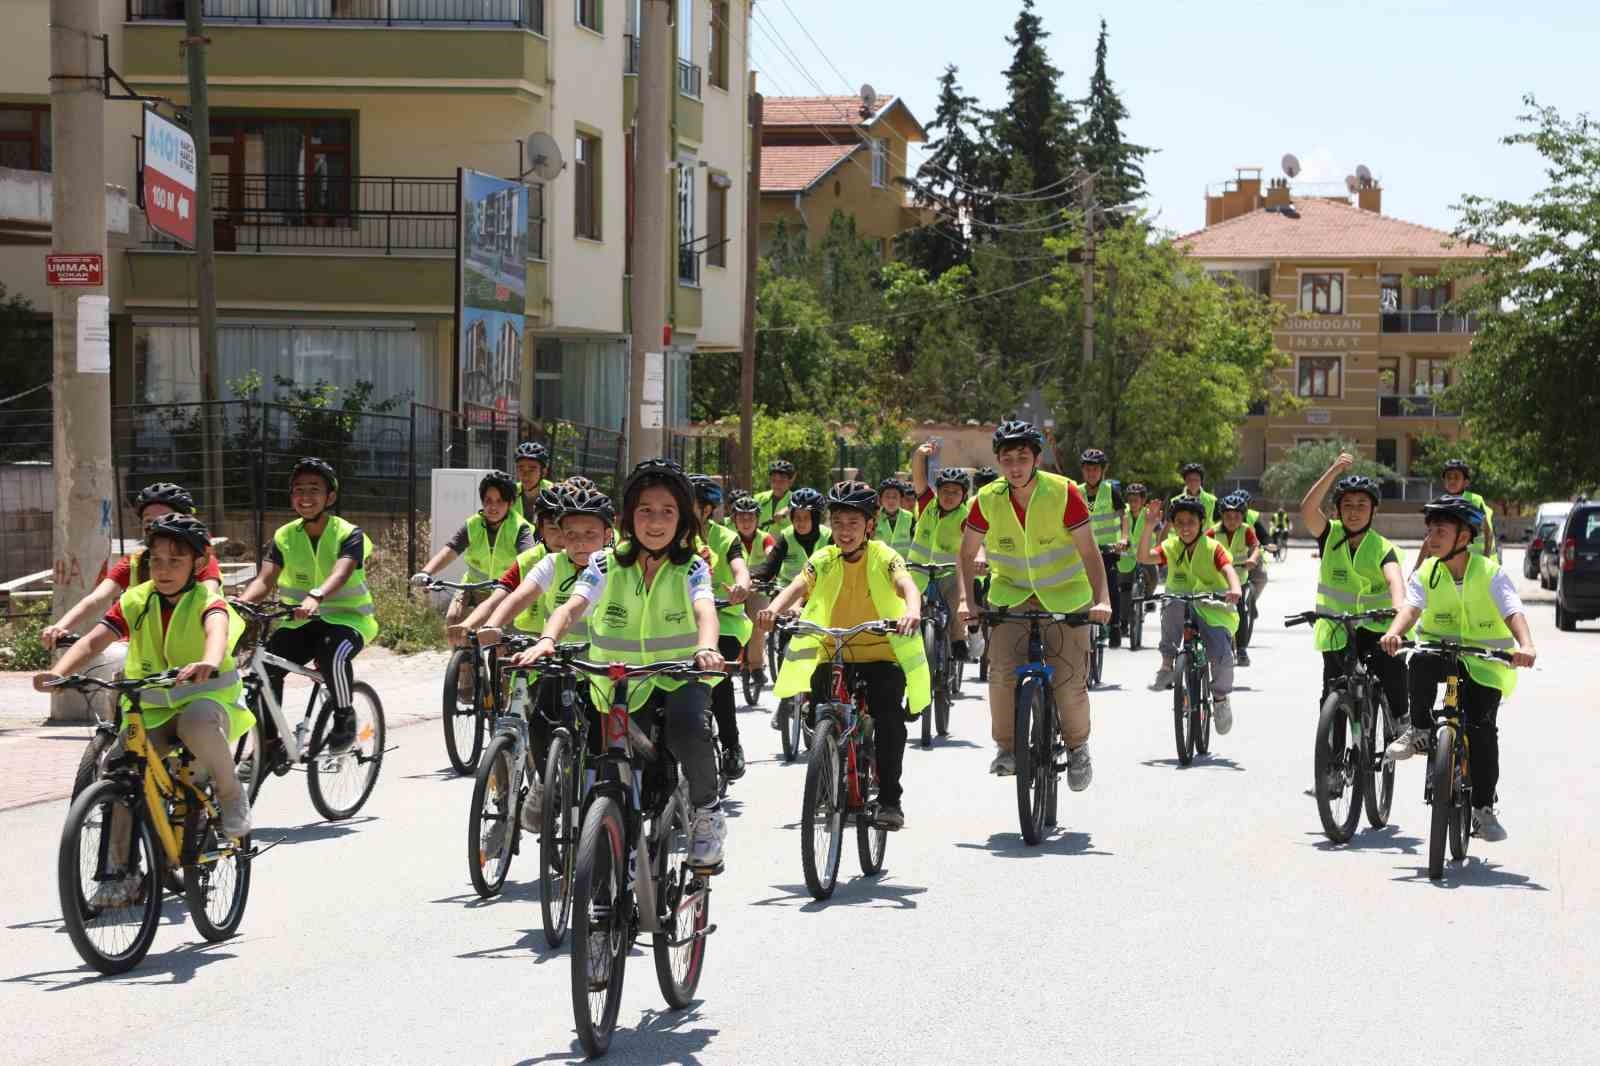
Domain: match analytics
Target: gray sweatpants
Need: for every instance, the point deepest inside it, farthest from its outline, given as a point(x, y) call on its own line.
point(1218, 642)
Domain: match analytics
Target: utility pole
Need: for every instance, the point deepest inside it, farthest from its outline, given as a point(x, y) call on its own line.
point(205, 256)
point(651, 232)
point(1085, 393)
point(83, 518)
point(752, 253)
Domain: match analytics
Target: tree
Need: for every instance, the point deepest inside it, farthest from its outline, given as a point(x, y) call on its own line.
point(1288, 479)
point(946, 181)
point(1105, 153)
point(24, 350)
point(1527, 388)
point(1037, 128)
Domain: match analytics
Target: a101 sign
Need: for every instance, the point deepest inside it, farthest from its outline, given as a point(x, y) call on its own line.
point(169, 178)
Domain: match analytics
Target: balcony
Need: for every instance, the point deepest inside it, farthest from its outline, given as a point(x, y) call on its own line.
point(688, 79)
point(1428, 322)
point(1422, 406)
point(630, 53)
point(525, 14)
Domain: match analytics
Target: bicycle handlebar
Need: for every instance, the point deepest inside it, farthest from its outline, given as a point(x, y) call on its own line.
point(1450, 649)
point(1197, 597)
point(165, 679)
point(800, 627)
point(260, 612)
point(932, 569)
point(568, 664)
point(460, 586)
point(1004, 614)
point(1308, 617)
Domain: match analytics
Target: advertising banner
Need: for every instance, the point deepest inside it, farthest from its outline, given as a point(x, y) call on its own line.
point(169, 178)
point(493, 267)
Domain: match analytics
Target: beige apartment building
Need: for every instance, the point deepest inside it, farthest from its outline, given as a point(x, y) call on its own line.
point(337, 127)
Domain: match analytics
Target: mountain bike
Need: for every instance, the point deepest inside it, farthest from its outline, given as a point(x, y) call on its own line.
point(1139, 599)
point(632, 874)
point(340, 783)
point(842, 778)
point(1348, 761)
point(1191, 681)
point(467, 714)
point(147, 814)
point(944, 668)
point(1246, 607)
point(1278, 546)
point(1037, 744)
point(795, 719)
point(754, 680)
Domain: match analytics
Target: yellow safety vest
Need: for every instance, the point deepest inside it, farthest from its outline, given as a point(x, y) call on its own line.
point(151, 652)
point(938, 539)
point(731, 621)
point(638, 626)
point(1207, 498)
point(1468, 616)
point(1106, 523)
point(485, 560)
point(305, 569)
point(534, 616)
point(560, 591)
point(795, 556)
point(898, 530)
point(1039, 561)
point(1198, 573)
point(1348, 582)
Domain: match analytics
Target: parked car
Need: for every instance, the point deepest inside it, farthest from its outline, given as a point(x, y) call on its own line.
point(1550, 557)
point(1578, 587)
point(1530, 559)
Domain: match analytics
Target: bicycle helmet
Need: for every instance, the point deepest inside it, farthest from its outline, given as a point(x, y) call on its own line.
point(952, 475)
point(1193, 504)
point(781, 466)
point(1460, 510)
point(164, 492)
point(532, 449)
point(747, 505)
point(807, 500)
point(1357, 483)
point(498, 479)
point(1232, 502)
point(320, 467)
point(983, 475)
point(1457, 464)
point(577, 482)
point(1191, 468)
point(1016, 431)
point(667, 474)
point(888, 483)
point(587, 501)
point(184, 528)
point(853, 496)
point(706, 489)
point(1093, 455)
point(1244, 494)
point(548, 504)
point(1137, 489)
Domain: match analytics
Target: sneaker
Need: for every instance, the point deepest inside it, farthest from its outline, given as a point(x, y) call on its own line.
point(1116, 636)
point(759, 677)
point(733, 763)
point(1413, 741)
point(1004, 764)
point(342, 735)
point(974, 644)
point(708, 830)
point(1080, 770)
point(115, 892)
point(1222, 715)
point(1241, 658)
point(890, 818)
point(1486, 825)
point(959, 650)
point(533, 809)
point(236, 817)
point(1163, 680)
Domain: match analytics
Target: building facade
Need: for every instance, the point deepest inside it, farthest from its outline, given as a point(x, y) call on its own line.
point(1370, 348)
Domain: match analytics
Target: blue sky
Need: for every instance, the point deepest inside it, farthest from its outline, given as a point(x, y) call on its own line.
point(1419, 90)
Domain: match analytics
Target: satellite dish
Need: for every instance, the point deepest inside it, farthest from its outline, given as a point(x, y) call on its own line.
point(869, 97)
point(1352, 184)
point(543, 156)
point(1291, 166)
point(1364, 174)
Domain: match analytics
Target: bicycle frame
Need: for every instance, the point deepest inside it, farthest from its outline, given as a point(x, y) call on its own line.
point(292, 737)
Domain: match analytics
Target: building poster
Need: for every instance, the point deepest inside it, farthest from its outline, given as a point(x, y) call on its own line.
point(493, 270)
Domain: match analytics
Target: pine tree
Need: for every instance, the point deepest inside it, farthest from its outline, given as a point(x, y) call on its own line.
point(945, 182)
point(1037, 126)
point(1115, 161)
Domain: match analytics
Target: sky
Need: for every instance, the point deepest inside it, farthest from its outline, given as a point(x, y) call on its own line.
point(1421, 91)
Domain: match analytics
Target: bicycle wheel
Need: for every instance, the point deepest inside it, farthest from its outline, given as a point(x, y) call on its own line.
point(1136, 617)
point(752, 688)
point(601, 932)
point(683, 906)
point(941, 711)
point(1182, 720)
point(1336, 764)
point(789, 728)
point(1097, 658)
point(1378, 788)
point(805, 721)
point(1052, 781)
point(556, 837)
point(1247, 616)
point(1032, 771)
point(1461, 812)
point(871, 841)
point(94, 753)
point(111, 939)
point(1200, 709)
point(463, 725)
point(956, 670)
point(340, 784)
point(1441, 776)
point(217, 890)
point(492, 818)
point(822, 813)
point(933, 649)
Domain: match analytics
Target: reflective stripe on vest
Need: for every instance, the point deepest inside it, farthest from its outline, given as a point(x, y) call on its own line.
point(1195, 572)
point(937, 540)
point(1103, 521)
point(732, 621)
point(305, 568)
point(1468, 616)
point(1348, 582)
point(897, 532)
point(638, 626)
point(152, 650)
point(1040, 560)
point(485, 560)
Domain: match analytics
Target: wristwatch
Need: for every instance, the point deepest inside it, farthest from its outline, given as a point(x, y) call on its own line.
point(318, 593)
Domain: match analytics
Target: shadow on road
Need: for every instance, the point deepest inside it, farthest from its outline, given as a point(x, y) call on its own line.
point(1389, 838)
point(444, 773)
point(862, 890)
point(512, 892)
point(940, 742)
point(660, 1036)
point(314, 831)
point(1474, 873)
point(176, 967)
point(1012, 846)
point(531, 942)
point(1201, 762)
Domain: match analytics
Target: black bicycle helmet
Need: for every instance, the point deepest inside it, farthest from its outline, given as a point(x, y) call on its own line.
point(1093, 455)
point(1193, 504)
point(165, 492)
point(532, 449)
point(706, 489)
point(952, 475)
point(781, 466)
point(1138, 488)
point(549, 504)
point(1357, 483)
point(1232, 502)
point(983, 475)
point(807, 500)
point(747, 505)
point(321, 467)
point(578, 482)
point(666, 474)
point(1016, 431)
point(180, 527)
point(1191, 468)
point(587, 501)
point(1462, 510)
point(853, 496)
point(498, 479)
point(1457, 464)
point(888, 483)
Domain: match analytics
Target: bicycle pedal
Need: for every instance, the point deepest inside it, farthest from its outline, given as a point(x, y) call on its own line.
point(708, 871)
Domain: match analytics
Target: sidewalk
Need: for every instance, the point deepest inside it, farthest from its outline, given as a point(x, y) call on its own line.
point(37, 760)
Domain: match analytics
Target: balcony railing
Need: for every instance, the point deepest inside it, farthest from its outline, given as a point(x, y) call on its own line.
point(1412, 407)
point(1428, 322)
point(688, 79)
point(630, 53)
point(527, 14)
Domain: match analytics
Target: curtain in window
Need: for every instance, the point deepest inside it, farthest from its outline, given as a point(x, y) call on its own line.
point(594, 382)
point(677, 387)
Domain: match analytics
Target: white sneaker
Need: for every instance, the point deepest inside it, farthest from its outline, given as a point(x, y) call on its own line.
point(1004, 764)
point(1080, 770)
point(115, 892)
point(236, 817)
point(708, 829)
point(1222, 715)
point(1486, 824)
point(1163, 680)
point(1413, 741)
point(533, 808)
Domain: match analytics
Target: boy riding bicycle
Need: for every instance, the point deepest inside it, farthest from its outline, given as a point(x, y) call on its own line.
point(723, 551)
point(1238, 537)
point(937, 542)
point(1108, 520)
point(488, 542)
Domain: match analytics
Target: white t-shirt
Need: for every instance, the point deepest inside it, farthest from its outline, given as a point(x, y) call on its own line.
point(1501, 587)
point(592, 582)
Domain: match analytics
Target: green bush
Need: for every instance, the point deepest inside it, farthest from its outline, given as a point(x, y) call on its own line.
point(20, 648)
point(803, 439)
point(1288, 479)
point(407, 620)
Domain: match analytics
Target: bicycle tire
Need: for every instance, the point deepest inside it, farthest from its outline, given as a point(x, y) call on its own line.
point(1461, 813)
point(680, 960)
point(1136, 618)
point(752, 688)
point(96, 803)
point(958, 667)
point(1378, 788)
point(201, 881)
point(789, 727)
point(364, 760)
point(492, 820)
point(463, 724)
point(1097, 659)
point(557, 840)
point(941, 711)
point(1441, 780)
point(1182, 732)
point(602, 847)
point(872, 841)
point(1338, 750)
point(1200, 710)
point(1247, 616)
point(1052, 781)
point(822, 809)
point(1031, 792)
point(933, 649)
point(88, 771)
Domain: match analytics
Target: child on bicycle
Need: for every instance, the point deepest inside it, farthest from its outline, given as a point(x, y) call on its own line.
point(755, 542)
point(774, 501)
point(488, 541)
point(1195, 564)
point(937, 542)
point(1468, 599)
point(896, 523)
point(1136, 495)
point(1241, 542)
point(722, 550)
point(647, 600)
point(532, 467)
point(174, 621)
point(318, 564)
point(853, 580)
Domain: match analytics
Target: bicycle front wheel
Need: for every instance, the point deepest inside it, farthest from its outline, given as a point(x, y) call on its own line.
point(1441, 775)
point(340, 784)
point(1461, 811)
point(250, 760)
point(1136, 616)
point(601, 928)
point(88, 772)
point(752, 687)
point(871, 840)
point(1378, 788)
point(492, 818)
point(933, 650)
point(683, 902)
point(218, 885)
point(1031, 748)
point(557, 840)
point(1200, 708)
point(463, 725)
point(115, 934)
point(1336, 763)
point(1182, 718)
point(822, 813)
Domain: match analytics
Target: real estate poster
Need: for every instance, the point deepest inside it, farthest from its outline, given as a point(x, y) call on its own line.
point(493, 268)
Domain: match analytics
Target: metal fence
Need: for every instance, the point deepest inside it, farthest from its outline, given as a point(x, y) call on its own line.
point(524, 13)
point(702, 454)
point(871, 462)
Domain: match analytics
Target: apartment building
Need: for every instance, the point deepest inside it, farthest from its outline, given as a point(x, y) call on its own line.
point(337, 127)
point(1371, 349)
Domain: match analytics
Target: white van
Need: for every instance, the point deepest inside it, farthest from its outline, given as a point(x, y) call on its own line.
point(1552, 512)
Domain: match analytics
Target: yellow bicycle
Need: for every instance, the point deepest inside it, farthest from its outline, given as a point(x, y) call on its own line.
point(148, 815)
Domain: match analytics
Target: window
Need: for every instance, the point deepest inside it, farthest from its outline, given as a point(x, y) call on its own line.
point(586, 179)
point(1432, 298)
point(1388, 452)
point(685, 17)
point(588, 14)
point(1319, 375)
point(1429, 377)
point(25, 136)
point(1388, 377)
point(688, 245)
point(880, 161)
point(717, 220)
point(276, 169)
point(719, 43)
point(1256, 280)
point(1322, 294)
point(1389, 294)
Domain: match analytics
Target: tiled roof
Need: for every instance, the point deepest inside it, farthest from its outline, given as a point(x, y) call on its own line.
point(1324, 230)
point(819, 110)
point(795, 168)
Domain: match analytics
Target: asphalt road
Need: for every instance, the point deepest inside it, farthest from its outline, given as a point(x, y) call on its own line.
point(1178, 915)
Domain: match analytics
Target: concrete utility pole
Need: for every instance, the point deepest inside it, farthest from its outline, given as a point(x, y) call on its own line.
point(652, 231)
point(1085, 393)
point(205, 256)
point(81, 447)
point(752, 255)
